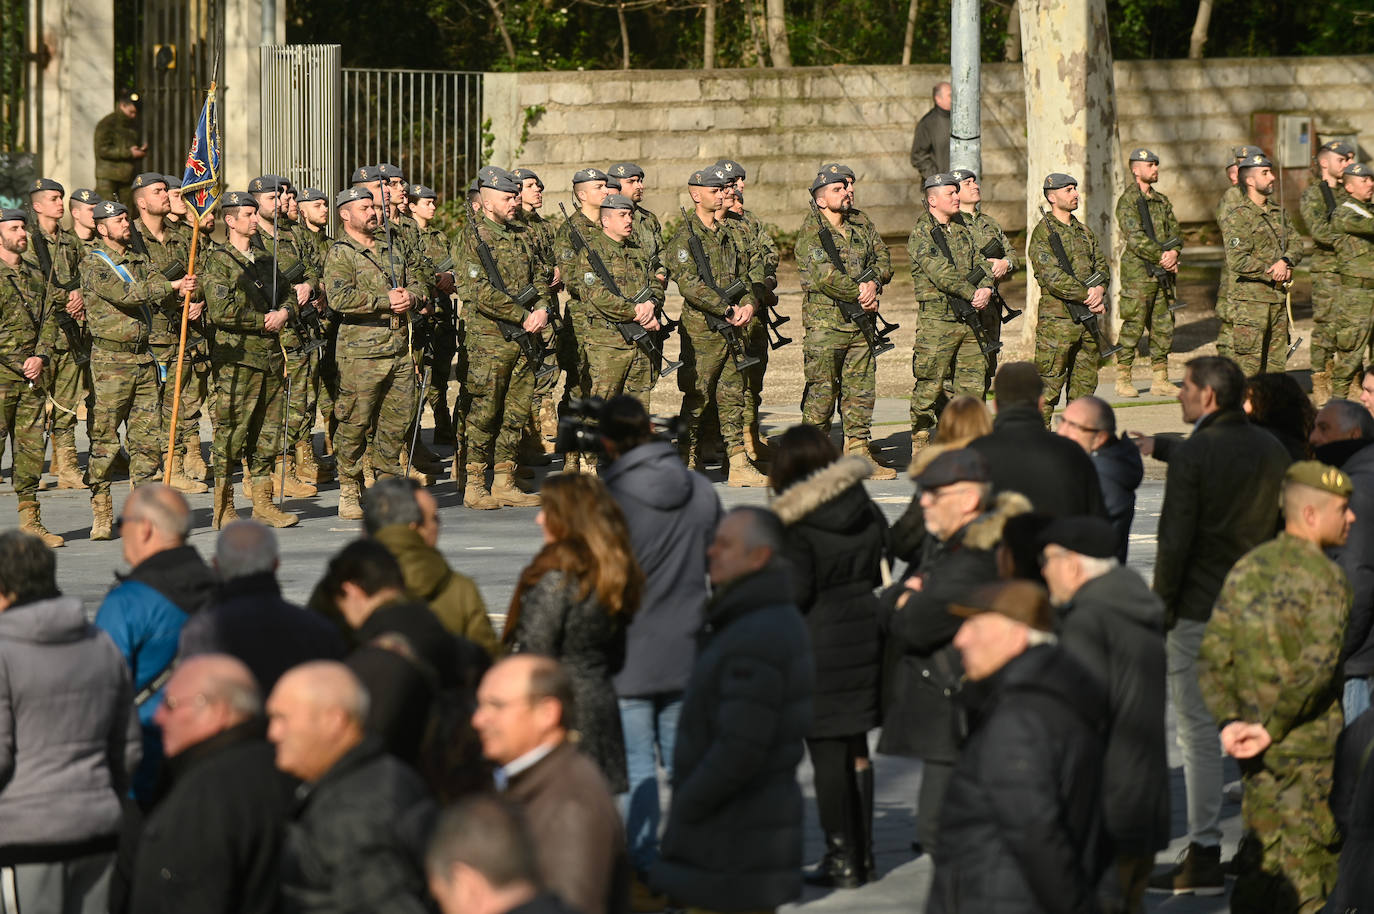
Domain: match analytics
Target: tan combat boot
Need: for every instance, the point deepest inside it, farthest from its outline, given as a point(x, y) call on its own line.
point(919, 440)
point(476, 495)
point(265, 510)
point(293, 487)
point(350, 499)
point(1161, 386)
point(224, 510)
point(31, 521)
point(861, 448)
point(369, 471)
point(183, 483)
point(756, 444)
point(307, 469)
point(67, 469)
point(1125, 386)
point(744, 474)
point(1321, 388)
point(194, 464)
point(504, 490)
point(102, 517)
point(572, 462)
point(247, 481)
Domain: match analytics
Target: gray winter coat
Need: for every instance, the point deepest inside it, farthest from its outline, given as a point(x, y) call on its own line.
point(69, 737)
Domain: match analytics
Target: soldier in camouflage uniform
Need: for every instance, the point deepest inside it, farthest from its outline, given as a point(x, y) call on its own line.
point(249, 364)
point(943, 255)
point(1232, 197)
point(1260, 258)
point(647, 231)
point(839, 365)
point(117, 150)
point(1154, 244)
point(122, 290)
point(1065, 350)
point(314, 241)
point(498, 264)
point(69, 375)
point(709, 372)
point(27, 338)
point(435, 244)
point(1318, 202)
point(544, 410)
point(1270, 673)
point(83, 205)
point(616, 365)
point(199, 395)
point(177, 211)
point(986, 232)
point(1351, 319)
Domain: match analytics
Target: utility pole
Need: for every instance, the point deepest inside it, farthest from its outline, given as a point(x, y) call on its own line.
point(965, 116)
point(269, 22)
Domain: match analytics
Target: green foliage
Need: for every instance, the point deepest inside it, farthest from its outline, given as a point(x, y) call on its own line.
point(786, 241)
point(528, 119)
point(488, 142)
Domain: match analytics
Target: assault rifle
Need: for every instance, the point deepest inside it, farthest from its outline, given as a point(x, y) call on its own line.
point(1080, 312)
point(875, 334)
point(77, 341)
point(994, 250)
point(530, 343)
point(963, 309)
point(729, 296)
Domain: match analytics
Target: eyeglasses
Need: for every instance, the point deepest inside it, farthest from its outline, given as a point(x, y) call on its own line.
point(1065, 420)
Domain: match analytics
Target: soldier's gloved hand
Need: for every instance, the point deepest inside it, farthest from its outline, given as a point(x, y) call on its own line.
point(400, 300)
point(33, 367)
point(1169, 261)
point(645, 311)
point(981, 298)
point(187, 285)
point(743, 314)
point(76, 305)
point(273, 321)
point(302, 292)
point(1094, 299)
point(1001, 266)
point(536, 321)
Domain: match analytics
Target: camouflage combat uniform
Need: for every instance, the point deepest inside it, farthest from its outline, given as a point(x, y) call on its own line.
point(765, 252)
point(1255, 238)
point(615, 365)
point(708, 371)
point(945, 346)
point(114, 165)
point(985, 229)
point(1353, 227)
point(1232, 197)
point(25, 331)
point(435, 245)
point(170, 258)
point(314, 246)
point(1064, 350)
point(299, 364)
point(541, 232)
point(572, 343)
point(1141, 302)
point(837, 361)
point(1326, 277)
point(1271, 655)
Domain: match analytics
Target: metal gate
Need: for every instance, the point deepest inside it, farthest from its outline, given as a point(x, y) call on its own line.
point(182, 41)
point(21, 56)
point(427, 122)
point(300, 112)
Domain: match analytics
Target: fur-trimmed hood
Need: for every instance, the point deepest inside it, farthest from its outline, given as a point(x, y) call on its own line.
point(824, 485)
point(985, 531)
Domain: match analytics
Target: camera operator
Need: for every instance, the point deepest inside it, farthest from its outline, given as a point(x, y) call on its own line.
point(672, 514)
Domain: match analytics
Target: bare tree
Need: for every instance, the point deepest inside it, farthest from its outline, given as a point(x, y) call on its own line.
point(779, 51)
point(624, 36)
point(708, 44)
point(500, 18)
point(1012, 51)
point(910, 38)
point(1204, 18)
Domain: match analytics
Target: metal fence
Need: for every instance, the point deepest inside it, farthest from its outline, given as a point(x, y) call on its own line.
point(21, 55)
point(181, 42)
point(301, 103)
point(427, 122)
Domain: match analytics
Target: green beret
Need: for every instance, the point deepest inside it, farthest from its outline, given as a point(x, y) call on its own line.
point(85, 195)
point(43, 184)
point(628, 170)
point(236, 199)
point(1144, 155)
point(351, 195)
point(108, 209)
point(148, 179)
point(709, 177)
point(13, 215)
point(617, 201)
point(1318, 475)
point(1055, 180)
point(1357, 170)
point(587, 175)
point(940, 179)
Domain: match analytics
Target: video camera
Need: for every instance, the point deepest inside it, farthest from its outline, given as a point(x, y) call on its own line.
point(579, 429)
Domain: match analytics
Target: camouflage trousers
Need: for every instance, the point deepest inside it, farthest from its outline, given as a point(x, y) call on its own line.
point(1143, 308)
point(375, 403)
point(839, 366)
point(992, 329)
point(1065, 352)
point(300, 409)
point(1224, 330)
point(708, 374)
point(247, 415)
point(615, 366)
point(945, 350)
point(126, 393)
point(756, 344)
point(71, 386)
point(325, 380)
point(1349, 326)
point(21, 421)
point(1326, 295)
point(1259, 336)
point(193, 394)
point(441, 369)
point(500, 391)
point(1286, 809)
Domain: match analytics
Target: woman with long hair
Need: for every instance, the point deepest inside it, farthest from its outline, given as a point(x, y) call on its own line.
point(836, 540)
point(573, 603)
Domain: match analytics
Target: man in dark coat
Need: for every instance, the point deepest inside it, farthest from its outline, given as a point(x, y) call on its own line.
point(930, 143)
point(734, 835)
point(1221, 499)
point(1091, 423)
point(249, 618)
point(212, 841)
point(1023, 456)
point(1113, 624)
point(965, 525)
point(361, 819)
point(1021, 826)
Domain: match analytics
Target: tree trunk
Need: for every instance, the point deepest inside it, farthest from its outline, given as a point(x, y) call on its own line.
point(501, 27)
point(756, 29)
point(708, 45)
point(1204, 18)
point(1012, 52)
point(624, 37)
point(910, 38)
point(779, 51)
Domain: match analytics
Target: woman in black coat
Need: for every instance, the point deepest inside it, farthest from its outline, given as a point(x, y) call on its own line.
point(573, 603)
point(836, 543)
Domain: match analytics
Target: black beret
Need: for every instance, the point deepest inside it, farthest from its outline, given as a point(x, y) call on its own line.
point(420, 192)
point(148, 179)
point(1258, 160)
point(827, 177)
point(1357, 170)
point(1144, 155)
point(1057, 179)
point(266, 184)
point(366, 174)
point(588, 174)
point(626, 170)
point(108, 209)
point(732, 169)
point(310, 195)
point(494, 178)
point(839, 168)
point(714, 176)
point(351, 195)
point(46, 184)
point(173, 182)
point(963, 174)
point(1339, 147)
point(389, 171)
point(617, 201)
point(940, 179)
point(235, 199)
point(85, 195)
point(524, 174)
point(13, 215)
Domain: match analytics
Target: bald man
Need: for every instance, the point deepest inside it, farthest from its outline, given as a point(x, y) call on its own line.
point(212, 842)
point(358, 832)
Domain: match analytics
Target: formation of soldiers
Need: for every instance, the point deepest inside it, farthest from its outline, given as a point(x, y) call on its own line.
point(288, 323)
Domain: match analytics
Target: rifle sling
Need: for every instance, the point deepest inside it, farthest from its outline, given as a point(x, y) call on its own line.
point(703, 262)
point(1328, 198)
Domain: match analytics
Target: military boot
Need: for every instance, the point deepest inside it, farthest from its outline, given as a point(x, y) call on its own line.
point(572, 462)
point(102, 517)
point(1321, 388)
point(350, 499)
point(369, 471)
point(1161, 386)
point(1125, 386)
point(307, 469)
point(194, 464)
point(548, 419)
point(265, 510)
point(291, 487)
point(919, 440)
point(504, 490)
point(861, 448)
point(31, 521)
point(224, 510)
point(744, 474)
point(247, 481)
point(66, 467)
point(178, 480)
point(476, 495)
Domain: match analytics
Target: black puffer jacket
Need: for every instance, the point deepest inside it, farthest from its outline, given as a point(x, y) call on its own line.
point(1054, 473)
point(1356, 557)
point(1119, 470)
point(1114, 627)
point(835, 543)
point(1021, 828)
point(922, 669)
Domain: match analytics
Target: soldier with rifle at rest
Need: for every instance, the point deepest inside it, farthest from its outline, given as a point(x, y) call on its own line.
point(1317, 204)
point(314, 241)
point(995, 257)
point(424, 203)
point(83, 205)
point(1149, 275)
point(1230, 199)
point(544, 410)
